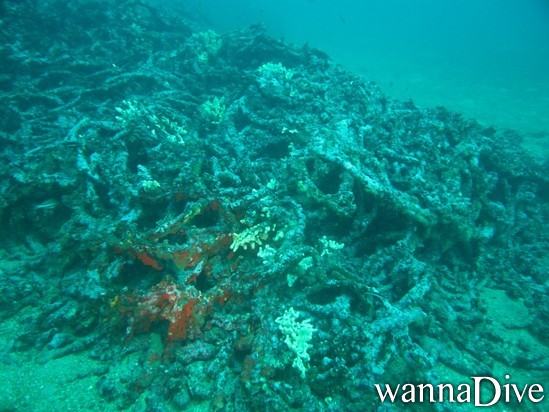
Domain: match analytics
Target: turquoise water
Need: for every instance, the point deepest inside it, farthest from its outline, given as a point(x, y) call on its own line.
point(486, 59)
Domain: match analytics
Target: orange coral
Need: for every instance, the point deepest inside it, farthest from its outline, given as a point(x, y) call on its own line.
point(179, 325)
point(149, 261)
point(166, 301)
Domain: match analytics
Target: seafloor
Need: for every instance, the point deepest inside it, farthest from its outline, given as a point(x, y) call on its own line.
point(194, 221)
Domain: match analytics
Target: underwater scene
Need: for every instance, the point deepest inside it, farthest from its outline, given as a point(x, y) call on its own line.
point(274, 206)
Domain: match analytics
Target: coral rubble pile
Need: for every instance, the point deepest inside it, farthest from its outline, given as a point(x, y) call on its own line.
point(256, 227)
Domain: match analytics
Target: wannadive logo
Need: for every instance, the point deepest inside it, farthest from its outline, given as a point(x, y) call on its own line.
point(462, 393)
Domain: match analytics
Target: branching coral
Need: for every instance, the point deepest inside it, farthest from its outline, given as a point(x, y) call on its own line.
point(297, 337)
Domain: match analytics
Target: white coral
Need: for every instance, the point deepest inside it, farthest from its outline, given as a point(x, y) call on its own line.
point(250, 237)
point(298, 335)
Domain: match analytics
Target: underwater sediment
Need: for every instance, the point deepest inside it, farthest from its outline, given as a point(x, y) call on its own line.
point(252, 226)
